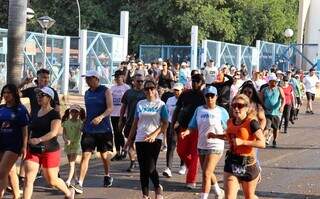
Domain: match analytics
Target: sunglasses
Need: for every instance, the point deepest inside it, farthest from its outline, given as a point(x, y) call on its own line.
point(238, 105)
point(210, 95)
point(42, 95)
point(247, 91)
point(149, 88)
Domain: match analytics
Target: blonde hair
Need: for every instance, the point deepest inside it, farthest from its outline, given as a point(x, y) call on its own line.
point(251, 112)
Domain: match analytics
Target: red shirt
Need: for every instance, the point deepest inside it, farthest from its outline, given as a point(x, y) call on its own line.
point(288, 95)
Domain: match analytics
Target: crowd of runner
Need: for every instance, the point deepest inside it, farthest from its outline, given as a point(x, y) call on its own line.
point(152, 108)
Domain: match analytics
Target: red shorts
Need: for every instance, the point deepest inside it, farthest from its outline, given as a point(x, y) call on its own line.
point(46, 159)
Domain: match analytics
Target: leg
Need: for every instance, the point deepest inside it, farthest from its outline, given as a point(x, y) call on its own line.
point(249, 189)
point(84, 166)
point(106, 160)
point(193, 162)
point(14, 181)
point(117, 136)
point(171, 142)
point(182, 149)
point(144, 156)
point(51, 175)
point(210, 163)
point(31, 169)
point(8, 159)
point(286, 115)
point(231, 186)
point(72, 164)
point(153, 173)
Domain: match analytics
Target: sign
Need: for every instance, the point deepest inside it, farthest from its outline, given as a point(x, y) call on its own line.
point(117, 49)
point(3, 45)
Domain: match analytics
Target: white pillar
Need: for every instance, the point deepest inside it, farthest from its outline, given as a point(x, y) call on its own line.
point(124, 31)
point(82, 60)
point(274, 53)
point(66, 60)
point(204, 51)
point(256, 55)
point(239, 56)
point(194, 46)
point(218, 55)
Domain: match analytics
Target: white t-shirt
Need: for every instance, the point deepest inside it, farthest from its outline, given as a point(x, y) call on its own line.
point(310, 83)
point(117, 93)
point(209, 120)
point(171, 105)
point(149, 115)
point(259, 83)
point(209, 74)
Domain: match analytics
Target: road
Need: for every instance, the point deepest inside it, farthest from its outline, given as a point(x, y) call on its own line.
point(291, 171)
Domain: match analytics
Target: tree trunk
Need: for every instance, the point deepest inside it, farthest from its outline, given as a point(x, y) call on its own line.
point(16, 39)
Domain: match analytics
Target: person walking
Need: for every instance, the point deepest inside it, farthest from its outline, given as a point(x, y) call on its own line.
point(311, 82)
point(149, 125)
point(209, 118)
point(14, 119)
point(97, 129)
point(72, 122)
point(289, 103)
point(44, 149)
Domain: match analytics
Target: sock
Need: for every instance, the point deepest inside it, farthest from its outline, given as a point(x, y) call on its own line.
point(216, 188)
point(204, 195)
point(80, 183)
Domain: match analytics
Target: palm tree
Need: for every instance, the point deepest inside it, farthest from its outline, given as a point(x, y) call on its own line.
point(16, 39)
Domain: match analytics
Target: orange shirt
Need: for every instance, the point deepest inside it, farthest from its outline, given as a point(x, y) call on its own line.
point(242, 131)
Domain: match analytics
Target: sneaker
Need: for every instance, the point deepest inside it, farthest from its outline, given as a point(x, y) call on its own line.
point(274, 144)
point(159, 195)
point(107, 181)
point(39, 175)
point(167, 173)
point(123, 155)
point(116, 157)
point(311, 112)
point(68, 184)
point(308, 111)
point(220, 195)
point(132, 166)
point(191, 185)
point(164, 148)
point(182, 170)
point(78, 189)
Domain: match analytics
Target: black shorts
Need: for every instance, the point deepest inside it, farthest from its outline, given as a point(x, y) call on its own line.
point(310, 96)
point(273, 122)
point(102, 141)
point(249, 173)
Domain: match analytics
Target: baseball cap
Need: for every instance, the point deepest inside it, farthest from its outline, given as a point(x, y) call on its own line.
point(91, 73)
point(272, 77)
point(118, 73)
point(177, 86)
point(75, 107)
point(45, 90)
point(210, 90)
point(279, 72)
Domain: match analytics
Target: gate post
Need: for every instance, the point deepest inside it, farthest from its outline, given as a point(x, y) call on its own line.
point(256, 55)
point(124, 31)
point(239, 56)
point(66, 60)
point(194, 46)
point(218, 55)
point(82, 60)
point(204, 51)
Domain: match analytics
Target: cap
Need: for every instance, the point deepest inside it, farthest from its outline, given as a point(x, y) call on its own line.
point(279, 72)
point(210, 90)
point(177, 86)
point(75, 107)
point(91, 73)
point(118, 73)
point(45, 90)
point(183, 64)
point(272, 77)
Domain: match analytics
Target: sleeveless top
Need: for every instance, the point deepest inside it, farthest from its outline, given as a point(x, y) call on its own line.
point(288, 94)
point(165, 79)
point(95, 102)
point(272, 101)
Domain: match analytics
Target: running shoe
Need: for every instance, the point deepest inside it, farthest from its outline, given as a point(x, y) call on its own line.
point(159, 195)
point(191, 185)
point(274, 144)
point(78, 188)
point(311, 112)
point(182, 170)
point(308, 111)
point(132, 166)
point(167, 173)
point(164, 148)
point(220, 195)
point(107, 181)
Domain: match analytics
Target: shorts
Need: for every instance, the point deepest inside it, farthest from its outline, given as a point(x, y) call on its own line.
point(298, 100)
point(72, 149)
point(46, 159)
point(209, 151)
point(102, 141)
point(126, 130)
point(273, 122)
point(248, 174)
point(310, 96)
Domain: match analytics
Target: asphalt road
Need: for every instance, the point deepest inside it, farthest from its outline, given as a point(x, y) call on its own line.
point(290, 171)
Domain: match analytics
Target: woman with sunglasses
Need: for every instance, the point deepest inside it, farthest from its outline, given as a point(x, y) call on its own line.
point(14, 119)
point(44, 149)
point(150, 122)
point(289, 103)
point(243, 134)
point(209, 118)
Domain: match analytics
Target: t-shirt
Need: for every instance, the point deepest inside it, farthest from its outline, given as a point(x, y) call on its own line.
point(150, 114)
point(40, 126)
point(223, 89)
point(209, 74)
point(288, 94)
point(209, 120)
point(117, 92)
point(272, 101)
point(171, 105)
point(12, 119)
point(310, 83)
point(184, 75)
point(73, 133)
point(165, 96)
point(35, 107)
point(188, 101)
point(130, 98)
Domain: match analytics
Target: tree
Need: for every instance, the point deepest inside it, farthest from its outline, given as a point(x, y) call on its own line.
point(16, 39)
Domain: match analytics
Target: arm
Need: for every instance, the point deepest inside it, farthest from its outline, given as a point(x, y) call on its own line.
point(132, 134)
point(122, 112)
point(24, 141)
point(282, 96)
point(262, 117)
point(66, 141)
point(161, 129)
point(54, 130)
point(108, 111)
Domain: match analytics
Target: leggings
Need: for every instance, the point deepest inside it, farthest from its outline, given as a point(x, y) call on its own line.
point(147, 154)
point(171, 144)
point(118, 136)
point(286, 116)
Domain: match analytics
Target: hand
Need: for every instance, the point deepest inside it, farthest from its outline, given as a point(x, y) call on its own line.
point(34, 141)
point(281, 109)
point(238, 142)
point(176, 125)
point(211, 135)
point(23, 152)
point(150, 138)
point(183, 134)
point(67, 142)
point(97, 120)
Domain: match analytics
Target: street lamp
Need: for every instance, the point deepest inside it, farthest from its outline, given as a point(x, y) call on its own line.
point(30, 13)
point(288, 33)
point(45, 23)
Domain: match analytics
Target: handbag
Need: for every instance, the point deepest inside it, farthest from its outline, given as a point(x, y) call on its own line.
point(39, 148)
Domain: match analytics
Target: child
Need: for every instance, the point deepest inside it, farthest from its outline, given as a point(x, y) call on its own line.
point(72, 124)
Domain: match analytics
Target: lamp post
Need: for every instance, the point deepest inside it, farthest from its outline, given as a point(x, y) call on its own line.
point(45, 23)
point(288, 33)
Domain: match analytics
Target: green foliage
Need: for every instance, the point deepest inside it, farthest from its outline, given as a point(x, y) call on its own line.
point(170, 21)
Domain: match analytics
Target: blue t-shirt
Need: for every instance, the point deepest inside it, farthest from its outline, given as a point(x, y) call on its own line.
point(150, 114)
point(272, 101)
point(12, 119)
point(95, 102)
